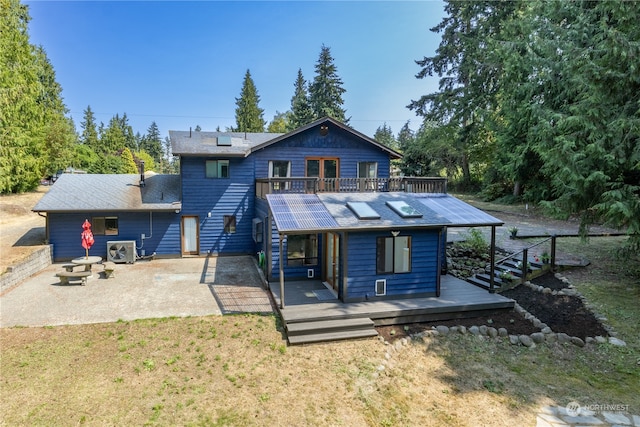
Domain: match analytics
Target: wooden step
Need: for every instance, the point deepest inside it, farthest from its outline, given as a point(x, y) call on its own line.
point(332, 336)
point(322, 326)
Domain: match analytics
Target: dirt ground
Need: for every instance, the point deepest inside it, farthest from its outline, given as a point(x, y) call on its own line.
point(21, 231)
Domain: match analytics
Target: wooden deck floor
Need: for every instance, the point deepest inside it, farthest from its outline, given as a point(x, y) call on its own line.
point(457, 299)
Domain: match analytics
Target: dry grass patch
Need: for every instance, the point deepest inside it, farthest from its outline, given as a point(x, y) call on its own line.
point(236, 370)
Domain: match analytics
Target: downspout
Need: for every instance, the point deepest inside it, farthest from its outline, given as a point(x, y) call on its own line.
point(281, 236)
point(439, 262)
point(46, 226)
point(492, 256)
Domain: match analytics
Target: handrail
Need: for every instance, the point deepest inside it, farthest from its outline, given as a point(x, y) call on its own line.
point(314, 185)
point(513, 255)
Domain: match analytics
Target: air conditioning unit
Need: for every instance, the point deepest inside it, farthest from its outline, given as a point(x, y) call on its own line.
point(121, 251)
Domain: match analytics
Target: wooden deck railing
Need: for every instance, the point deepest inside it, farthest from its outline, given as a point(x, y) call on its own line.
point(266, 186)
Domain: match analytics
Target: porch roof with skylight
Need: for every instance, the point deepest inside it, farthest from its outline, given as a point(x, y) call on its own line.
point(299, 213)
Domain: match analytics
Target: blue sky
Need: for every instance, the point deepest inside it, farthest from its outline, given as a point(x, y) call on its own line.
point(182, 64)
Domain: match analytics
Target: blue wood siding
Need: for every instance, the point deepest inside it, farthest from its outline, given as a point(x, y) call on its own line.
point(220, 196)
point(361, 274)
point(349, 149)
point(161, 230)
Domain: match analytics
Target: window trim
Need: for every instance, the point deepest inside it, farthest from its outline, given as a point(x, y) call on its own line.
point(229, 224)
point(395, 259)
point(303, 260)
point(218, 168)
point(100, 227)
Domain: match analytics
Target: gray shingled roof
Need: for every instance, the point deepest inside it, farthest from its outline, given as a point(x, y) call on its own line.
point(436, 209)
point(187, 143)
point(111, 192)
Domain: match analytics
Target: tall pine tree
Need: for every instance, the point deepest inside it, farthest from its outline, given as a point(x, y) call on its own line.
point(325, 92)
point(249, 116)
point(301, 111)
point(32, 113)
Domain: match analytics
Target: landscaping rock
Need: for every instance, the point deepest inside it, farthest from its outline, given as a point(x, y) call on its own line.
point(601, 340)
point(550, 338)
point(503, 332)
point(537, 337)
point(563, 338)
point(617, 341)
point(483, 329)
point(577, 341)
point(492, 332)
point(463, 330)
point(546, 330)
point(526, 341)
point(513, 340)
point(474, 330)
point(442, 330)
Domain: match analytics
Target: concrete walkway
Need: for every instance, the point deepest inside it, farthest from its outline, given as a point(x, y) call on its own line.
point(145, 289)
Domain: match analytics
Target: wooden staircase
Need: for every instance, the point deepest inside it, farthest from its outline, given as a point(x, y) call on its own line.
point(514, 266)
point(329, 330)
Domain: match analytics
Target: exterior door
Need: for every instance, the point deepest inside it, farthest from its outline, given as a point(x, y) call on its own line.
point(332, 260)
point(190, 236)
point(326, 169)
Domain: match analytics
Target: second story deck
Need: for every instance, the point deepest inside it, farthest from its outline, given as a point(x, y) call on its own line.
point(266, 186)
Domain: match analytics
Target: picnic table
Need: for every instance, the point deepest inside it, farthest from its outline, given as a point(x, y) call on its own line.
point(87, 261)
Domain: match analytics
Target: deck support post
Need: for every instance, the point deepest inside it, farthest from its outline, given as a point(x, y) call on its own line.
point(492, 258)
point(281, 270)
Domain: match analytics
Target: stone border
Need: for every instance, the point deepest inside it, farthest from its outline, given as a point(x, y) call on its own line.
point(546, 335)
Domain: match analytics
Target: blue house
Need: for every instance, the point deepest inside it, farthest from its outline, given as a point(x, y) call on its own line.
point(316, 203)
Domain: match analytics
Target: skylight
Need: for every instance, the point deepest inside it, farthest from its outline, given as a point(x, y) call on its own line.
point(363, 210)
point(224, 140)
point(403, 209)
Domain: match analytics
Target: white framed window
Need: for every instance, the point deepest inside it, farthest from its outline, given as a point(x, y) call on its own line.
point(217, 168)
point(367, 174)
point(280, 169)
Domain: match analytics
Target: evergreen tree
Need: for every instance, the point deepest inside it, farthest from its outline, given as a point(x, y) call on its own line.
point(468, 81)
point(384, 135)
point(113, 137)
point(198, 128)
point(31, 108)
point(89, 134)
point(152, 143)
point(405, 137)
point(325, 93)
point(249, 116)
point(301, 111)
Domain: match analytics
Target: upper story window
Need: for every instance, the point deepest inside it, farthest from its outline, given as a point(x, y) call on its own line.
point(280, 169)
point(367, 173)
point(217, 169)
point(367, 169)
point(104, 225)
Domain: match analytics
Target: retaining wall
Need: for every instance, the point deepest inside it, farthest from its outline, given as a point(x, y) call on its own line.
point(38, 260)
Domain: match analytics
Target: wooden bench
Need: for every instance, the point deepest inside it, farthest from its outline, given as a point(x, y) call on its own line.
point(68, 276)
point(109, 268)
